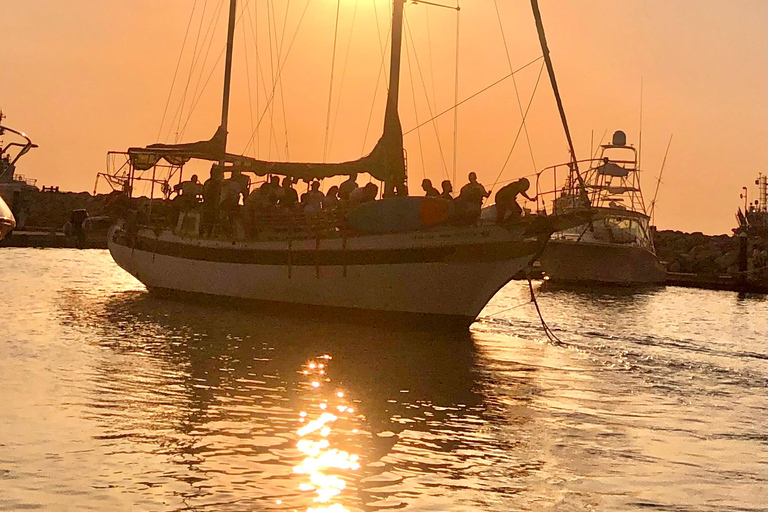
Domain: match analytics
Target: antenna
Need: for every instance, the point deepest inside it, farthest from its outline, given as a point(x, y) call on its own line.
point(640, 135)
point(658, 180)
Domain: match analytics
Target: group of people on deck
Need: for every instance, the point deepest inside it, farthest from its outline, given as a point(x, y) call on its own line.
point(469, 202)
point(222, 198)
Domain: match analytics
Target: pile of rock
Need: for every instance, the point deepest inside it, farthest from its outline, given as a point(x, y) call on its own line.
point(50, 209)
point(698, 253)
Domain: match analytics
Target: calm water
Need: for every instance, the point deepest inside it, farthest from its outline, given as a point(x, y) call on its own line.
point(111, 399)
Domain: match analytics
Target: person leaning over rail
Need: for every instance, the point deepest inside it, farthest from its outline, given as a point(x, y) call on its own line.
point(506, 199)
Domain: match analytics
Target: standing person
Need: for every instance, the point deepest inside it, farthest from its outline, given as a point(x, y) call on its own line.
point(428, 188)
point(186, 198)
point(447, 190)
point(211, 199)
point(506, 199)
point(189, 190)
point(474, 191)
point(277, 190)
point(231, 190)
point(314, 198)
point(349, 186)
point(289, 197)
point(470, 200)
point(243, 180)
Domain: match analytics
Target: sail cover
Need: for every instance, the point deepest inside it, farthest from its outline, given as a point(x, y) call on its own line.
point(386, 162)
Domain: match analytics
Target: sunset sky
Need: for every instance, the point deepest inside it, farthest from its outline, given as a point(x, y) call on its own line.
point(83, 77)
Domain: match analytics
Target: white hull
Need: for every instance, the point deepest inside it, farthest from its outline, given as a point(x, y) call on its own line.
point(451, 272)
point(7, 222)
point(568, 261)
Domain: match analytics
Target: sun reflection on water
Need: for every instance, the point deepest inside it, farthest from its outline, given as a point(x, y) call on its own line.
point(323, 464)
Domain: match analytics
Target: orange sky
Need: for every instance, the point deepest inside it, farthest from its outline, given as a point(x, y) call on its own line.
point(83, 77)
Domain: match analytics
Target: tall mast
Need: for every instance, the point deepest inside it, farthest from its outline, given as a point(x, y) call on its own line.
point(228, 72)
point(551, 71)
point(390, 146)
point(394, 67)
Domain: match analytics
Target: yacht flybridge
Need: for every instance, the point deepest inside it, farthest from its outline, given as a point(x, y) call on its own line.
point(616, 246)
point(406, 257)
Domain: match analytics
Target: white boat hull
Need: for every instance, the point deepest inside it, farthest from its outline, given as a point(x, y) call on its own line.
point(568, 261)
point(7, 222)
point(446, 273)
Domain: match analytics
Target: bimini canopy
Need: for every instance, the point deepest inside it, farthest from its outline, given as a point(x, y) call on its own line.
point(385, 162)
point(612, 169)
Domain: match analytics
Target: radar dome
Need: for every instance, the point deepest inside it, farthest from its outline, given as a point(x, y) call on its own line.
point(619, 138)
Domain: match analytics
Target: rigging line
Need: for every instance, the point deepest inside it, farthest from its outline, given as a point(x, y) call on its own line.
point(195, 97)
point(248, 68)
point(279, 70)
point(260, 73)
point(330, 85)
point(514, 83)
point(279, 49)
point(551, 336)
point(176, 71)
point(426, 94)
point(180, 108)
point(343, 74)
point(253, 25)
point(519, 130)
point(196, 101)
point(382, 68)
point(268, 108)
point(640, 139)
point(378, 32)
point(481, 91)
point(456, 95)
point(271, 106)
point(602, 138)
point(209, 30)
point(658, 180)
point(415, 109)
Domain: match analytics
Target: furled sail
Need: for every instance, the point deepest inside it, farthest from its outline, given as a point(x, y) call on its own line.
point(385, 162)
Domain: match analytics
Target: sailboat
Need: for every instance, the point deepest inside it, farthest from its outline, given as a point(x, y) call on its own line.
point(436, 273)
point(616, 246)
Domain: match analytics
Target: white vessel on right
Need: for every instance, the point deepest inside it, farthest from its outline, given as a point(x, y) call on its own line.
point(616, 247)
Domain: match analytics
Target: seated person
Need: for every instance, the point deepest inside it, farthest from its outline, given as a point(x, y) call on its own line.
point(429, 189)
point(447, 190)
point(331, 199)
point(365, 194)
